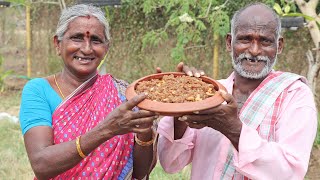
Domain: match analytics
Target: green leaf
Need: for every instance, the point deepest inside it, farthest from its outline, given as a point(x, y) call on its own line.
point(200, 25)
point(309, 18)
point(287, 9)
point(277, 8)
point(21, 2)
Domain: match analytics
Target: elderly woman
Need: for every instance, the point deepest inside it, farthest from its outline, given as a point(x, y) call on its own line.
point(77, 123)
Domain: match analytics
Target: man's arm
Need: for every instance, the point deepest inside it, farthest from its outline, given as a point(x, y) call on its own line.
point(175, 148)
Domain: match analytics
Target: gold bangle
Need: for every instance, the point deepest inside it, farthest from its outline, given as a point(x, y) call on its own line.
point(142, 143)
point(81, 154)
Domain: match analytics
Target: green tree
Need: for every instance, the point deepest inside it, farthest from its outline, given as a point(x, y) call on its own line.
point(191, 23)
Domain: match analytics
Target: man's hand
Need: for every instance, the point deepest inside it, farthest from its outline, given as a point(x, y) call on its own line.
point(190, 71)
point(223, 118)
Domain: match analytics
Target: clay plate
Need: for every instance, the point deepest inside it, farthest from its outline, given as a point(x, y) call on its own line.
point(176, 109)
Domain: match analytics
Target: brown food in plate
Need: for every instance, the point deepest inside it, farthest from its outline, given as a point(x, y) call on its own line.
point(179, 89)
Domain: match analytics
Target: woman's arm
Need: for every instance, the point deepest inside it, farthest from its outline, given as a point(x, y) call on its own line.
point(49, 160)
point(143, 156)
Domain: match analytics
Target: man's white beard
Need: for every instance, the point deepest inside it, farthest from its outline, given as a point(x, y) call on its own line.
point(236, 63)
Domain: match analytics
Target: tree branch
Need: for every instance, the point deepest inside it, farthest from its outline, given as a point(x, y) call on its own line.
point(208, 10)
point(300, 2)
point(218, 7)
point(49, 2)
point(191, 47)
point(313, 3)
point(309, 9)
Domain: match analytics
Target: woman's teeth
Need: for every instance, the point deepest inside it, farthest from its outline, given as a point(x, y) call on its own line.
point(83, 59)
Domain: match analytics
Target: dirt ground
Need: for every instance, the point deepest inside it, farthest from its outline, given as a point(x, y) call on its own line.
point(314, 165)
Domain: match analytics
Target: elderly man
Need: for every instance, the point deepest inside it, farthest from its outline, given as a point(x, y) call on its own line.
point(267, 126)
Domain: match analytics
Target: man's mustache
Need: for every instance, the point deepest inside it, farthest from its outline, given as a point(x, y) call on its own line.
point(248, 56)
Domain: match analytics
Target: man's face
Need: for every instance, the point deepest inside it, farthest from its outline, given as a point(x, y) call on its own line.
point(254, 45)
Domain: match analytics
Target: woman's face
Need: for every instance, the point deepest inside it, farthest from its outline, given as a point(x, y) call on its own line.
point(83, 46)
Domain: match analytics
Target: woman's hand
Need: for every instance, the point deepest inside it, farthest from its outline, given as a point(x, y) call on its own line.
point(123, 120)
point(190, 71)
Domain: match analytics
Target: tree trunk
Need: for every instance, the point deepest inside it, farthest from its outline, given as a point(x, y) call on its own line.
point(309, 9)
point(313, 71)
point(28, 39)
point(216, 41)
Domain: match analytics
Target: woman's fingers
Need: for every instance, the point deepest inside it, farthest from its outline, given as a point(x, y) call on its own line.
point(142, 125)
point(141, 114)
point(142, 121)
point(141, 130)
point(129, 105)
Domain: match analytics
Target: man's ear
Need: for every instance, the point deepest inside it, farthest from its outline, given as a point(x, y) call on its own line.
point(280, 45)
point(56, 43)
point(228, 42)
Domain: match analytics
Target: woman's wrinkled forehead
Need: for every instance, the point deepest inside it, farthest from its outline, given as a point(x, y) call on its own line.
point(87, 25)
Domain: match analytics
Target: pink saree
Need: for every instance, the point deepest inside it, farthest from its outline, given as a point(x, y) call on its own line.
point(78, 114)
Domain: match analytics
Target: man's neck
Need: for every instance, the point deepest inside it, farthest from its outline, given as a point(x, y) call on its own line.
point(245, 85)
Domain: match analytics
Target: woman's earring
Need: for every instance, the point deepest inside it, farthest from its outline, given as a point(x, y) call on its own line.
point(58, 52)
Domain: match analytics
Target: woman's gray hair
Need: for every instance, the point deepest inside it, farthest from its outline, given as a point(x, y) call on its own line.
point(235, 19)
point(81, 10)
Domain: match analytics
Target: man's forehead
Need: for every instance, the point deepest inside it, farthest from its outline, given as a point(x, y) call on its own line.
point(256, 23)
point(256, 18)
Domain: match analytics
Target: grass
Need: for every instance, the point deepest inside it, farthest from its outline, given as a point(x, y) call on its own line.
point(14, 163)
point(9, 99)
point(158, 173)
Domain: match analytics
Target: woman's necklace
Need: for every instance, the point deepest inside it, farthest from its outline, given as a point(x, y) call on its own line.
point(55, 80)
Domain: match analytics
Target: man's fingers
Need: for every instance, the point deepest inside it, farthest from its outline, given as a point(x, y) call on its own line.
point(184, 68)
point(228, 97)
point(196, 118)
point(196, 125)
point(214, 110)
point(158, 70)
point(180, 67)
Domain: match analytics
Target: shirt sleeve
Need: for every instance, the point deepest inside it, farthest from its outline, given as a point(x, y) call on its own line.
point(288, 156)
point(174, 155)
point(34, 108)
